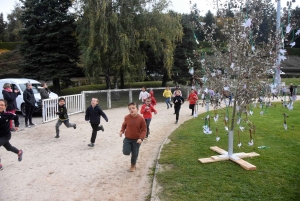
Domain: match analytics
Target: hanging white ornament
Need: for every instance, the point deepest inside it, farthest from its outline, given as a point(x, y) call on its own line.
point(251, 143)
point(217, 139)
point(242, 128)
point(239, 145)
point(247, 23)
point(288, 28)
point(292, 44)
point(191, 71)
point(297, 33)
point(282, 51)
point(285, 126)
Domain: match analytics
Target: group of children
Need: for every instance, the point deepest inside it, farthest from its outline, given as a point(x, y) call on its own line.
point(135, 127)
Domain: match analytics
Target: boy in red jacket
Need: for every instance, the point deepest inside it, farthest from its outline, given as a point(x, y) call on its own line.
point(193, 99)
point(146, 111)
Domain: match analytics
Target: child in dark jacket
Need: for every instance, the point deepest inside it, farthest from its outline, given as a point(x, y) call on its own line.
point(92, 114)
point(5, 133)
point(63, 116)
point(146, 111)
point(178, 101)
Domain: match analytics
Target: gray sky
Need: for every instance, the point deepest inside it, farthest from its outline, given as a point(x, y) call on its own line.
point(181, 6)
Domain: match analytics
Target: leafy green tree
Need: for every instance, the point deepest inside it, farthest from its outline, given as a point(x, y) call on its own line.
point(50, 49)
point(14, 24)
point(113, 34)
point(2, 28)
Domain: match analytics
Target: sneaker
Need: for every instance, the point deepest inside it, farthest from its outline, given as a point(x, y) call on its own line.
point(12, 130)
point(32, 124)
point(91, 145)
point(1, 168)
point(20, 154)
point(171, 105)
point(168, 107)
point(176, 122)
point(27, 126)
point(100, 128)
point(57, 136)
point(74, 126)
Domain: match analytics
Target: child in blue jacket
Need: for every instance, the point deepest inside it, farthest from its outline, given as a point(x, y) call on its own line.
point(92, 114)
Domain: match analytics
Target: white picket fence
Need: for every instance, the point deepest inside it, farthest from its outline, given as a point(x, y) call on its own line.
point(107, 98)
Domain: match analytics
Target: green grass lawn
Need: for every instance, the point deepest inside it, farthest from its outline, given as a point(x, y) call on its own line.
point(277, 176)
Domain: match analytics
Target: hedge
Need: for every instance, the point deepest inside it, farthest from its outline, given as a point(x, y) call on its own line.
point(10, 45)
point(293, 51)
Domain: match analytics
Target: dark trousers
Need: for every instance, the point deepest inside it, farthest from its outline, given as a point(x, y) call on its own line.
point(192, 107)
point(94, 132)
point(66, 122)
point(177, 110)
point(4, 141)
point(131, 146)
point(148, 124)
point(29, 111)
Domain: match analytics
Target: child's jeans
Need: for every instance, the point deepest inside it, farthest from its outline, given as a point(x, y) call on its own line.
point(168, 101)
point(131, 146)
point(148, 124)
point(66, 122)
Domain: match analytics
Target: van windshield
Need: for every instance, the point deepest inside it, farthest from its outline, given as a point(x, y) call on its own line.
point(34, 87)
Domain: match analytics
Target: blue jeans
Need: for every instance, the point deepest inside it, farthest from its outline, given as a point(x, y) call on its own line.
point(131, 146)
point(168, 101)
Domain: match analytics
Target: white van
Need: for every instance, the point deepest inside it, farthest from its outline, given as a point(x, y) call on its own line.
point(20, 84)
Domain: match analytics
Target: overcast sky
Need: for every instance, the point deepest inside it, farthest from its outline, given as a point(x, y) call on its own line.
point(181, 6)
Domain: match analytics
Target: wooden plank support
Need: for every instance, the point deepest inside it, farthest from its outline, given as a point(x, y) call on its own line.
point(219, 150)
point(244, 164)
point(214, 159)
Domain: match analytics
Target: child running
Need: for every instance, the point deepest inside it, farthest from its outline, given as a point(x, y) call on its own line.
point(134, 128)
point(143, 94)
point(193, 99)
point(153, 100)
point(168, 94)
point(146, 111)
point(178, 101)
point(92, 115)
point(5, 133)
point(63, 116)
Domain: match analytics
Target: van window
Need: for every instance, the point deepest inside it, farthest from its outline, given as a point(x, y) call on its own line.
point(34, 87)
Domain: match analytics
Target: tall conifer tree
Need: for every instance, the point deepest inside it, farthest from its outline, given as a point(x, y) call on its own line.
point(50, 50)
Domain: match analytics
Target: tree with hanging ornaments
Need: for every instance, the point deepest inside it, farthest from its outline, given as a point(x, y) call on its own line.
point(241, 67)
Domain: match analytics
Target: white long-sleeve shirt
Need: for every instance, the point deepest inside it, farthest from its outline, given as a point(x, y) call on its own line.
point(143, 95)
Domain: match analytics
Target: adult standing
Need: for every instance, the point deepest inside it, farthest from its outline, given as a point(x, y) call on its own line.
point(291, 89)
point(29, 99)
point(44, 92)
point(10, 96)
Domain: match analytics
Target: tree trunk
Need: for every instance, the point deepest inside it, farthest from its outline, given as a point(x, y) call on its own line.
point(56, 86)
point(107, 81)
point(122, 84)
point(165, 78)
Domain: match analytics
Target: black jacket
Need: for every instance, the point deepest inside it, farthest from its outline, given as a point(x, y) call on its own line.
point(10, 98)
point(62, 112)
point(4, 123)
point(178, 100)
point(93, 114)
point(28, 97)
